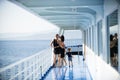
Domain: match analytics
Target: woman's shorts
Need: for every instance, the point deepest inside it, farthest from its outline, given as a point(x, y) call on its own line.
point(57, 50)
point(69, 58)
point(62, 52)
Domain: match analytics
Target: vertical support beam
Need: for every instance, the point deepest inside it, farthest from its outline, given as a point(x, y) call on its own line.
point(88, 38)
point(61, 31)
point(119, 38)
point(91, 35)
point(108, 42)
point(96, 39)
point(105, 40)
point(93, 38)
point(84, 46)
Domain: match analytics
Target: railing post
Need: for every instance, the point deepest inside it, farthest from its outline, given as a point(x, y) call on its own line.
point(41, 71)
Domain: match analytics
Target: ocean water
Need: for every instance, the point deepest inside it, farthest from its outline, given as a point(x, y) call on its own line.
point(13, 50)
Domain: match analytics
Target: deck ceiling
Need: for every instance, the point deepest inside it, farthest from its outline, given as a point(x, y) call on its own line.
point(66, 14)
point(113, 18)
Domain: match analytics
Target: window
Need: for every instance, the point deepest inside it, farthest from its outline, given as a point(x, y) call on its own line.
point(112, 24)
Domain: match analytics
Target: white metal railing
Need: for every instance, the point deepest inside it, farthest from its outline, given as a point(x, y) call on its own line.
point(75, 48)
point(30, 68)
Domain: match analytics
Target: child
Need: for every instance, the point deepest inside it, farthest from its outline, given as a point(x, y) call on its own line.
point(69, 54)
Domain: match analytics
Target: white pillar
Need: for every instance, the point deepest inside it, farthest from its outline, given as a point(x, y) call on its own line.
point(84, 43)
point(96, 39)
point(61, 31)
point(105, 40)
point(92, 37)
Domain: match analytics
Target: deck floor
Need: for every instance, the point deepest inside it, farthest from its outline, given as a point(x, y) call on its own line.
point(79, 71)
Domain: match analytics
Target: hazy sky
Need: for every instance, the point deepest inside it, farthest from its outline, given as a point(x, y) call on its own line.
point(73, 34)
point(14, 19)
point(16, 22)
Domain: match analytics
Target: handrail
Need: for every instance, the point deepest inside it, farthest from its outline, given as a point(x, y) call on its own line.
point(75, 48)
point(28, 68)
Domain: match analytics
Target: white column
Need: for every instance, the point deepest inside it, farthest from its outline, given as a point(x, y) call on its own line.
point(96, 39)
point(91, 36)
point(92, 33)
point(84, 44)
point(61, 31)
point(105, 40)
point(88, 38)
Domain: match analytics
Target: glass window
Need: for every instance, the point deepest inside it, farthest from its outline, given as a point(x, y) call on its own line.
point(112, 23)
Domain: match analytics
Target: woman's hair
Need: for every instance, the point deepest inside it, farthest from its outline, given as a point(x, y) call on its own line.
point(111, 37)
point(62, 38)
point(115, 34)
point(57, 36)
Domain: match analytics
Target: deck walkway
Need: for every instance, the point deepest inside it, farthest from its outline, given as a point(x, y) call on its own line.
point(79, 71)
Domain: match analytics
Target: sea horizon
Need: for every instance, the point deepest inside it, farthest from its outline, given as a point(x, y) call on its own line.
point(12, 51)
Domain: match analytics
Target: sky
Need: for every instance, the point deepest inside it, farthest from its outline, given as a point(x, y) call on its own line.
point(73, 34)
point(14, 19)
point(18, 23)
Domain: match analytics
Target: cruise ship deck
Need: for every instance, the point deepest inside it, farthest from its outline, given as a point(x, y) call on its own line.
point(79, 71)
point(98, 21)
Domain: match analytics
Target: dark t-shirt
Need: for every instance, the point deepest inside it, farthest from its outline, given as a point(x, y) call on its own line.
point(55, 44)
point(69, 54)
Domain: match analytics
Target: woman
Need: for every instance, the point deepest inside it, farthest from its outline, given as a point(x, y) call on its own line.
point(56, 47)
point(62, 49)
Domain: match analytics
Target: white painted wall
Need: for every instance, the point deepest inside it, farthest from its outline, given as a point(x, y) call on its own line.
point(98, 66)
point(99, 69)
